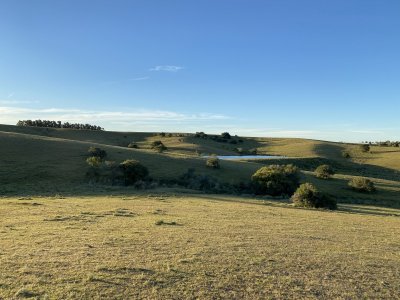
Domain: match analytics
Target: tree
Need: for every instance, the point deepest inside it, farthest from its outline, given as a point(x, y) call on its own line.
point(276, 180)
point(324, 172)
point(57, 124)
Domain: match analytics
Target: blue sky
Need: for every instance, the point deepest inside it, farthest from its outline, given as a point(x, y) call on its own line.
point(292, 68)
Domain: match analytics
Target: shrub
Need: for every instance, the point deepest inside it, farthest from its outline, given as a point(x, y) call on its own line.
point(132, 145)
point(213, 162)
point(158, 146)
point(201, 134)
point(225, 135)
point(93, 161)
point(132, 171)
point(361, 184)
point(253, 151)
point(97, 152)
point(107, 172)
point(203, 182)
point(307, 195)
point(364, 148)
point(324, 172)
point(276, 180)
point(345, 154)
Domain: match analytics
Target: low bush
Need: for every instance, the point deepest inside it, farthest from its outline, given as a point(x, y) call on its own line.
point(346, 154)
point(225, 135)
point(158, 146)
point(97, 152)
point(363, 185)
point(94, 161)
point(133, 171)
point(364, 148)
point(276, 180)
point(213, 162)
point(307, 195)
point(324, 171)
point(133, 145)
point(203, 183)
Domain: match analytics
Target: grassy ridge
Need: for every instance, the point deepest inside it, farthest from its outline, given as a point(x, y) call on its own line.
point(34, 160)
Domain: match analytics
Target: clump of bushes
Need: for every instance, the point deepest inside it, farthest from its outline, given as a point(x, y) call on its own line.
point(133, 145)
point(133, 171)
point(201, 134)
point(307, 195)
point(225, 135)
point(363, 185)
point(158, 146)
point(213, 162)
point(364, 148)
point(324, 172)
point(203, 182)
point(97, 152)
point(129, 172)
point(276, 180)
point(346, 154)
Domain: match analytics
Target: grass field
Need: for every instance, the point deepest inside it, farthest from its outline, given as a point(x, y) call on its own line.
point(63, 238)
point(204, 247)
point(48, 161)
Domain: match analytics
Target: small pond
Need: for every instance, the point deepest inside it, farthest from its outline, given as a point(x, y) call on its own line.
point(241, 157)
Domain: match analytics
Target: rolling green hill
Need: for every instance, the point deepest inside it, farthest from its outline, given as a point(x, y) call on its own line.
point(48, 160)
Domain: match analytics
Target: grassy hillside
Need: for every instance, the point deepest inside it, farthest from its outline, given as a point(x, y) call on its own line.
point(47, 160)
point(63, 238)
point(206, 247)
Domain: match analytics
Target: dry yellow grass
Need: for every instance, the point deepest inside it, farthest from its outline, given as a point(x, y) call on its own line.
point(109, 247)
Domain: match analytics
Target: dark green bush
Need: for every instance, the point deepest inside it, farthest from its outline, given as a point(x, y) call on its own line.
point(346, 154)
point(106, 172)
point(133, 145)
point(276, 180)
point(132, 171)
point(213, 162)
point(225, 135)
point(364, 148)
point(324, 171)
point(307, 195)
point(363, 185)
point(97, 152)
point(158, 146)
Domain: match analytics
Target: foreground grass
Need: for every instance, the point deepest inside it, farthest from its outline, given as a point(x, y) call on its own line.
point(210, 247)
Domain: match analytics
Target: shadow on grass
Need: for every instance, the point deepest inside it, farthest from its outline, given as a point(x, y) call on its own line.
point(366, 210)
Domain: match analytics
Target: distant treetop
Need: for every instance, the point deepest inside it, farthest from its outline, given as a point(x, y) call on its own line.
point(57, 124)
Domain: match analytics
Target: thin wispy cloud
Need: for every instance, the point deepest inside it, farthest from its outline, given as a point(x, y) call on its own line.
point(14, 102)
point(139, 78)
point(10, 95)
point(11, 115)
point(167, 68)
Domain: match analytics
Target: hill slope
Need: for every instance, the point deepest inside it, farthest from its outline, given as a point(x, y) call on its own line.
point(46, 160)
